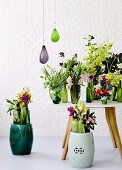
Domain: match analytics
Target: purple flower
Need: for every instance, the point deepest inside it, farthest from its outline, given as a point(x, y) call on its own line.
point(110, 87)
point(25, 99)
point(104, 78)
point(91, 77)
point(71, 111)
point(102, 82)
point(61, 54)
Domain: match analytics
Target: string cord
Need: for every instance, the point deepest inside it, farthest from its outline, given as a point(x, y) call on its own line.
point(55, 13)
point(43, 22)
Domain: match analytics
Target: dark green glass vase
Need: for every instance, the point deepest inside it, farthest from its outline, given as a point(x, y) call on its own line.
point(119, 92)
point(21, 139)
point(55, 96)
point(75, 93)
point(89, 93)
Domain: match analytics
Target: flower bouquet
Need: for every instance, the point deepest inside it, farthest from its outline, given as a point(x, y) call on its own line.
point(74, 70)
point(54, 81)
point(21, 132)
point(104, 89)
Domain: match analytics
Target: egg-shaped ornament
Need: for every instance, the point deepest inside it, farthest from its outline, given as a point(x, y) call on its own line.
point(55, 36)
point(44, 57)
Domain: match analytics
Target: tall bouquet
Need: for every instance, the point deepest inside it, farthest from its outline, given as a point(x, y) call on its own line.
point(19, 107)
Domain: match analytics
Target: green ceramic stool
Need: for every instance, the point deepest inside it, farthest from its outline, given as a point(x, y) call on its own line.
point(21, 139)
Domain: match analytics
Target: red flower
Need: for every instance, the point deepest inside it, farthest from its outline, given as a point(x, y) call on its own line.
point(105, 92)
point(99, 91)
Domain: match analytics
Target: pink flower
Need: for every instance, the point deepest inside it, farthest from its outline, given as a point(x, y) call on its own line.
point(90, 119)
point(87, 122)
point(69, 81)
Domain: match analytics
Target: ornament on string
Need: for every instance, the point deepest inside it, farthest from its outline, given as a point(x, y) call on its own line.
point(55, 35)
point(44, 57)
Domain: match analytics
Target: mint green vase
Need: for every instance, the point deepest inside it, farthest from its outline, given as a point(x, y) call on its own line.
point(75, 125)
point(80, 126)
point(81, 150)
point(21, 139)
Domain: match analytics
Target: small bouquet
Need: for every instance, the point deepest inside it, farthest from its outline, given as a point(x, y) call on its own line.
point(19, 107)
point(104, 89)
point(54, 81)
point(73, 68)
point(83, 120)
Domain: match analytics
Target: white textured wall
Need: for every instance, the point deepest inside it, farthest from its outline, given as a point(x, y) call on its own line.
point(20, 45)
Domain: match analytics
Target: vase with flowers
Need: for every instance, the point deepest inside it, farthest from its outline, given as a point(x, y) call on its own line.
point(21, 132)
point(81, 141)
point(74, 81)
point(114, 79)
point(104, 89)
point(54, 80)
point(64, 92)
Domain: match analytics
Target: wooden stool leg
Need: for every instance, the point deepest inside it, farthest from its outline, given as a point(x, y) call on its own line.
point(113, 122)
point(107, 112)
point(66, 133)
point(65, 150)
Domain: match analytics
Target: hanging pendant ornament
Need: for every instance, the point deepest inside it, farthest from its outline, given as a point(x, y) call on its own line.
point(55, 35)
point(44, 57)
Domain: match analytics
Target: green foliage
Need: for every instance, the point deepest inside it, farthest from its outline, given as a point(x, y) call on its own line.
point(12, 105)
point(96, 54)
point(54, 79)
point(73, 68)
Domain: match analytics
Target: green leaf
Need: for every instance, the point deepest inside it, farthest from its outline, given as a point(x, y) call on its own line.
point(9, 101)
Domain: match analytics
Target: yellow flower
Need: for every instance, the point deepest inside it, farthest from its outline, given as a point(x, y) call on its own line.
point(24, 97)
point(84, 108)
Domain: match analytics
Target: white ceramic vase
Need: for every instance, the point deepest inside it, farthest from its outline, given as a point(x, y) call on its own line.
point(81, 150)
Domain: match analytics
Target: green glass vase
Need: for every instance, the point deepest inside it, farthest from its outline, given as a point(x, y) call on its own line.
point(64, 94)
point(21, 139)
point(119, 92)
point(55, 36)
point(55, 96)
point(75, 93)
point(89, 93)
point(105, 101)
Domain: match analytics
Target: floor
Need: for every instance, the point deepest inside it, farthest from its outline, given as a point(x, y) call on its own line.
point(46, 155)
